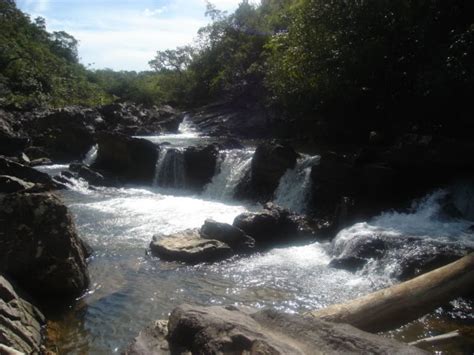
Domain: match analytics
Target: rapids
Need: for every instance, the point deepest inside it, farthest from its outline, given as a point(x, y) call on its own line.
point(130, 288)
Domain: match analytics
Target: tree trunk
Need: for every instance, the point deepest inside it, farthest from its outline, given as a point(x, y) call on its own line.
point(399, 304)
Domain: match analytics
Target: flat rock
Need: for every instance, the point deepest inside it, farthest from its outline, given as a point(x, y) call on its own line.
point(227, 233)
point(20, 322)
point(188, 246)
point(9, 184)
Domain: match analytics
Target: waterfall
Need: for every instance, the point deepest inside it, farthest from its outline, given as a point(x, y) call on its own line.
point(233, 164)
point(169, 171)
point(91, 155)
point(293, 191)
point(187, 128)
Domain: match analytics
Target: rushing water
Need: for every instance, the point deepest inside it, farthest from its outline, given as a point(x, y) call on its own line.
point(130, 288)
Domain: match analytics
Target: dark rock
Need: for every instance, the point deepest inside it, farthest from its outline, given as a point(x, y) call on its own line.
point(229, 330)
point(270, 227)
point(131, 159)
point(269, 163)
point(41, 161)
point(10, 142)
point(20, 322)
point(9, 184)
point(231, 143)
point(8, 167)
point(36, 153)
point(188, 246)
point(86, 173)
point(39, 246)
point(226, 233)
point(200, 166)
point(66, 134)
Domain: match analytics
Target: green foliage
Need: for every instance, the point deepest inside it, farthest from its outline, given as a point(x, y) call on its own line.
point(40, 68)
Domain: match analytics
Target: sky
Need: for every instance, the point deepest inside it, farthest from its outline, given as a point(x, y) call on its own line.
point(121, 34)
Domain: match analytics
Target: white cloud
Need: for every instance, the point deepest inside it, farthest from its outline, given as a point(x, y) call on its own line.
point(154, 12)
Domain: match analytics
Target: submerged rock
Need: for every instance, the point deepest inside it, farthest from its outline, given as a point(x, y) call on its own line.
point(188, 246)
point(232, 330)
point(39, 246)
point(269, 163)
point(132, 160)
point(20, 322)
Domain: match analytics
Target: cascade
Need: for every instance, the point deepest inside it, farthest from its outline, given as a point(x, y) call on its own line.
point(233, 164)
point(293, 191)
point(169, 171)
point(91, 155)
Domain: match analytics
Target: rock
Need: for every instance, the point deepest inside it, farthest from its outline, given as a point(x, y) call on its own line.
point(407, 256)
point(269, 163)
point(91, 176)
point(231, 143)
point(10, 168)
point(132, 160)
point(39, 246)
point(270, 227)
point(151, 340)
point(66, 133)
point(20, 323)
point(36, 153)
point(230, 330)
point(10, 184)
point(10, 142)
point(200, 166)
point(41, 161)
point(188, 246)
point(226, 233)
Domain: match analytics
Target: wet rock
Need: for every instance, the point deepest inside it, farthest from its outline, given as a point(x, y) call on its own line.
point(226, 233)
point(91, 176)
point(200, 166)
point(36, 153)
point(269, 163)
point(270, 227)
point(9, 184)
point(10, 168)
point(405, 256)
point(188, 246)
point(230, 330)
point(20, 322)
point(39, 246)
point(231, 143)
point(132, 160)
point(151, 340)
point(41, 161)
point(10, 142)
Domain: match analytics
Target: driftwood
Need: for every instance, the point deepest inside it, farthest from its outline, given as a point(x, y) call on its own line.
point(399, 304)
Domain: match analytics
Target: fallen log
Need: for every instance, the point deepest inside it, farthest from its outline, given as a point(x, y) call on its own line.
point(437, 339)
point(399, 304)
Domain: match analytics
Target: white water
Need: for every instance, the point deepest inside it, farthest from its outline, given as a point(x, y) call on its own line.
point(294, 189)
point(233, 164)
point(91, 156)
point(169, 171)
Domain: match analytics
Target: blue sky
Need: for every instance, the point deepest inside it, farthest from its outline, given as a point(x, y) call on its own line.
point(120, 34)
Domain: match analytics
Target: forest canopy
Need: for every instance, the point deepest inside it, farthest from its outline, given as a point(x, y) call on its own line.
point(371, 63)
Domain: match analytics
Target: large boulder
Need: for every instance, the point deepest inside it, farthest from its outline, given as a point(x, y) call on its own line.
point(269, 163)
point(230, 330)
point(200, 165)
point(11, 168)
point(10, 142)
point(188, 246)
point(229, 234)
point(273, 226)
point(39, 246)
point(92, 177)
point(65, 134)
point(20, 322)
point(132, 160)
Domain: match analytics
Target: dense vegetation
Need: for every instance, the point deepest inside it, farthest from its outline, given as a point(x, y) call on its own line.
point(347, 65)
